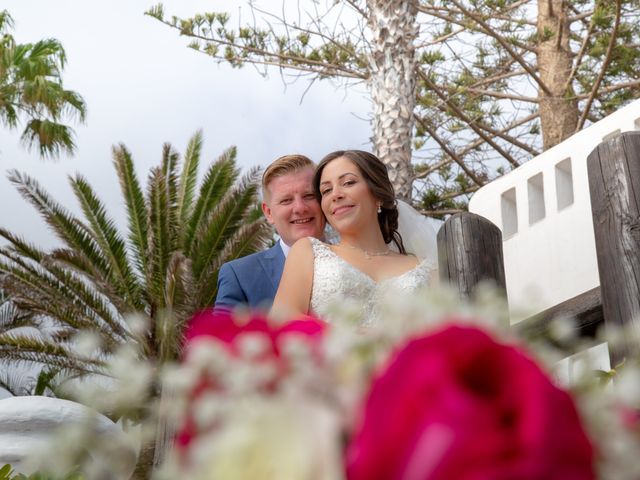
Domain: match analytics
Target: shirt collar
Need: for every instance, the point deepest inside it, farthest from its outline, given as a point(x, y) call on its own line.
point(285, 248)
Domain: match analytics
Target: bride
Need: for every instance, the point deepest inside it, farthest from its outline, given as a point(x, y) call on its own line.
point(369, 263)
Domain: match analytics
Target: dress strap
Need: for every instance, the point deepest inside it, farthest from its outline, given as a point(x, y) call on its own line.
point(319, 247)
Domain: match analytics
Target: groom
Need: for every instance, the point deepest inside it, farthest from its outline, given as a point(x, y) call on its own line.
point(290, 205)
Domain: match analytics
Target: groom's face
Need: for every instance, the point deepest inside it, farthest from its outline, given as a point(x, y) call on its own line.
point(292, 208)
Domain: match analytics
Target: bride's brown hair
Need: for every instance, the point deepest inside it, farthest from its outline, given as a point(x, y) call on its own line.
point(377, 178)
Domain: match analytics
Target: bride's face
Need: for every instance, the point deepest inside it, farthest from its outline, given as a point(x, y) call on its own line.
point(347, 201)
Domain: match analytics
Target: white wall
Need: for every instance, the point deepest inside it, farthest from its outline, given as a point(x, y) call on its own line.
point(544, 211)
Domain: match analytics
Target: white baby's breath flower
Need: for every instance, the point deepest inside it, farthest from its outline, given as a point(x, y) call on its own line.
point(208, 355)
point(58, 456)
point(134, 376)
point(271, 438)
point(126, 386)
point(302, 363)
point(208, 408)
point(180, 379)
point(138, 324)
point(86, 343)
point(563, 329)
point(243, 377)
point(252, 345)
point(91, 444)
point(615, 335)
point(627, 385)
point(616, 446)
point(345, 311)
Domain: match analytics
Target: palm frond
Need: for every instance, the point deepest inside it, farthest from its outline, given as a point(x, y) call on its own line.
point(48, 290)
point(136, 207)
point(29, 348)
point(14, 380)
point(179, 286)
point(96, 304)
point(46, 380)
point(72, 287)
point(52, 138)
point(113, 247)
point(79, 264)
point(167, 335)
point(170, 164)
point(189, 178)
point(225, 218)
point(159, 245)
point(248, 239)
point(67, 227)
point(217, 181)
point(6, 21)
point(11, 318)
point(21, 246)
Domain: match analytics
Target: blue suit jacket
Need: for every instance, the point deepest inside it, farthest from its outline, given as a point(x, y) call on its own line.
point(252, 280)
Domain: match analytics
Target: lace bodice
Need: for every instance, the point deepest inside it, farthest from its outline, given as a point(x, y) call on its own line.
point(335, 280)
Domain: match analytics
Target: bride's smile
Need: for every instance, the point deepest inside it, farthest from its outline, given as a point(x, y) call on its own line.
point(341, 209)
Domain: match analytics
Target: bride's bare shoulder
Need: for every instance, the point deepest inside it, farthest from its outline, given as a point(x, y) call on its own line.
point(408, 259)
point(302, 249)
point(302, 244)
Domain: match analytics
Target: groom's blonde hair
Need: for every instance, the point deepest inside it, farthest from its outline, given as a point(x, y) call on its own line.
point(283, 166)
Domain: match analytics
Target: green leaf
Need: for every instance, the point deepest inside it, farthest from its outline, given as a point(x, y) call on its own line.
point(135, 205)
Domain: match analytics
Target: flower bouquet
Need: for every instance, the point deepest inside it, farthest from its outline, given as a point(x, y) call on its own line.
point(425, 396)
point(438, 389)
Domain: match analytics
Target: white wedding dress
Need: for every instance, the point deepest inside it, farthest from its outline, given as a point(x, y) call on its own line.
point(336, 281)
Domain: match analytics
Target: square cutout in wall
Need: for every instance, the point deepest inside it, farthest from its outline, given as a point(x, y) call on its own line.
point(509, 212)
point(564, 183)
point(535, 189)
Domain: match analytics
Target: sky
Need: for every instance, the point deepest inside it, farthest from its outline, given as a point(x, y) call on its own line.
point(143, 87)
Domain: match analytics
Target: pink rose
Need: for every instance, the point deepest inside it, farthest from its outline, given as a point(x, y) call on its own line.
point(221, 326)
point(456, 404)
point(630, 417)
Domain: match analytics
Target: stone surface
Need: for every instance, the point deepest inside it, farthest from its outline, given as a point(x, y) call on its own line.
point(26, 424)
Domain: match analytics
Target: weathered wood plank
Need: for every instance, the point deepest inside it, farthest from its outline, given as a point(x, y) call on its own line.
point(585, 308)
point(470, 251)
point(614, 184)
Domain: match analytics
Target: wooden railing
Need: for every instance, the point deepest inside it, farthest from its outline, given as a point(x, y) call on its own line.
point(470, 246)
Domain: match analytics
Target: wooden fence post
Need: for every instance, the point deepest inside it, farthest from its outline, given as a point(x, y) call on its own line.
point(470, 251)
point(614, 184)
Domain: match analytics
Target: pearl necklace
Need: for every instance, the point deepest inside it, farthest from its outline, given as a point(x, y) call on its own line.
point(368, 255)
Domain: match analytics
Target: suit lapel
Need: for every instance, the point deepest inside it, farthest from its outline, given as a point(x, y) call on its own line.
point(273, 263)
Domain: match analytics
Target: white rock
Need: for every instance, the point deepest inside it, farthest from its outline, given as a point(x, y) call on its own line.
point(26, 424)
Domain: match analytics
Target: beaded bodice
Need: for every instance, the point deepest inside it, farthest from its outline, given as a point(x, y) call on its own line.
point(335, 280)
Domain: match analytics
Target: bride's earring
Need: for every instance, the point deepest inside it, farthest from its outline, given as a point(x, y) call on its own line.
point(379, 208)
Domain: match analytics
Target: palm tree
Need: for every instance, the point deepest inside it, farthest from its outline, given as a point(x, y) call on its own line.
point(31, 89)
point(165, 270)
point(25, 381)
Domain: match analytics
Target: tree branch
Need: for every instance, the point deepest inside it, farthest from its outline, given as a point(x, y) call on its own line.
point(449, 151)
point(312, 65)
point(605, 65)
point(518, 58)
point(474, 145)
point(581, 52)
point(444, 211)
point(462, 116)
point(466, 191)
point(502, 95)
point(611, 88)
